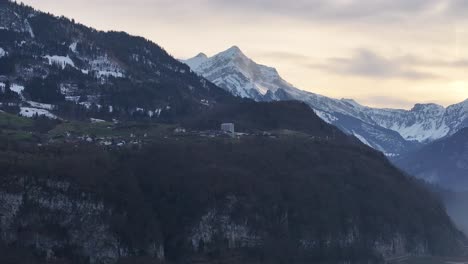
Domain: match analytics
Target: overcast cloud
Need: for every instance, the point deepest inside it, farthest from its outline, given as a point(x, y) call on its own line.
point(342, 10)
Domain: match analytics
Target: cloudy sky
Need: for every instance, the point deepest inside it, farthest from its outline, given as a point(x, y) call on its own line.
point(386, 53)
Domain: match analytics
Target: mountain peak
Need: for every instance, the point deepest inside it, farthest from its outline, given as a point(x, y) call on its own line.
point(427, 107)
point(201, 55)
point(195, 62)
point(233, 51)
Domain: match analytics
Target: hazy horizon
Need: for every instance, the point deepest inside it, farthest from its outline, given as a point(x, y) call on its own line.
point(380, 53)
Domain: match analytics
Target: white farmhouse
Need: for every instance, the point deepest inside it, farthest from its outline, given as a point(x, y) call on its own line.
point(228, 128)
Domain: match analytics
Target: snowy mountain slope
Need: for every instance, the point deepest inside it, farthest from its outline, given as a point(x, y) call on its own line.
point(424, 122)
point(236, 73)
point(392, 131)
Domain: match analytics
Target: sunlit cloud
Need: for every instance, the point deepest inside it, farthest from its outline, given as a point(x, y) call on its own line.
point(386, 100)
point(366, 63)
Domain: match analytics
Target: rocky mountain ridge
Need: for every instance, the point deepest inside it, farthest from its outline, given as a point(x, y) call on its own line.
point(241, 76)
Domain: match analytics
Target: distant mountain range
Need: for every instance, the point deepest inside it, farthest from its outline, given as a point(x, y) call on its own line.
point(392, 131)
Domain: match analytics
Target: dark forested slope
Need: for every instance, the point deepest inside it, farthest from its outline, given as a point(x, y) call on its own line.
point(443, 162)
point(291, 199)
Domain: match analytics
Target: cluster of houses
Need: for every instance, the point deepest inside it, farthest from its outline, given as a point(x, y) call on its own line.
point(103, 141)
point(227, 130)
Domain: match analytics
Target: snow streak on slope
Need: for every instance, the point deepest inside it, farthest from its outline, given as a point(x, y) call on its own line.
point(2, 53)
point(61, 61)
point(196, 61)
point(31, 112)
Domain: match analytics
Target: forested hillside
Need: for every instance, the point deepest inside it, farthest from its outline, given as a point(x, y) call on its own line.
point(111, 152)
point(76, 72)
point(291, 199)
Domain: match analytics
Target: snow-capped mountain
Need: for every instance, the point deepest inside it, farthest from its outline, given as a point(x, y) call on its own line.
point(392, 131)
point(238, 74)
point(424, 122)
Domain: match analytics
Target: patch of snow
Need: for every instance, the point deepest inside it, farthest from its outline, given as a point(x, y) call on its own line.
point(89, 104)
point(262, 89)
point(3, 53)
point(31, 112)
point(362, 139)
point(157, 112)
point(17, 89)
point(60, 61)
point(72, 98)
point(106, 143)
point(330, 119)
point(72, 47)
point(84, 71)
point(104, 67)
point(115, 74)
point(86, 104)
point(41, 105)
point(135, 57)
point(205, 102)
point(28, 28)
point(95, 120)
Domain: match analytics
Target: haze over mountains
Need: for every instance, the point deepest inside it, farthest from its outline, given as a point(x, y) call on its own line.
point(392, 131)
point(443, 162)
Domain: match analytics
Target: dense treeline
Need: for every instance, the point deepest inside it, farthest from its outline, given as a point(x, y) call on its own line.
point(324, 189)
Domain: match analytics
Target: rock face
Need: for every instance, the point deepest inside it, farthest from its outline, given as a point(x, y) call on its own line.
point(391, 131)
point(57, 221)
